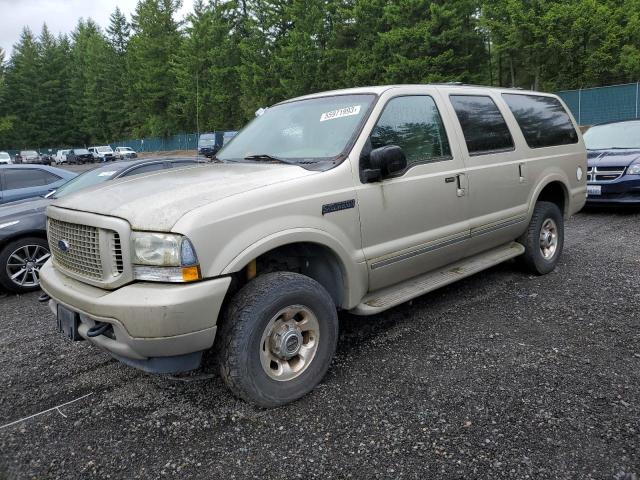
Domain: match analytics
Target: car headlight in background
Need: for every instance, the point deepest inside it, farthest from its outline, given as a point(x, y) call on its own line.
point(633, 169)
point(163, 257)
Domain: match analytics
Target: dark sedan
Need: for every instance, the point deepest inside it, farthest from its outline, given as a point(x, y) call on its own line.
point(18, 182)
point(613, 173)
point(23, 238)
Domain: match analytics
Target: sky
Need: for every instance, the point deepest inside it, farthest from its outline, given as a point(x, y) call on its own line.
point(61, 16)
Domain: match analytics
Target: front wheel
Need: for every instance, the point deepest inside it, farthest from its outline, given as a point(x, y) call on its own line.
point(20, 264)
point(277, 338)
point(544, 239)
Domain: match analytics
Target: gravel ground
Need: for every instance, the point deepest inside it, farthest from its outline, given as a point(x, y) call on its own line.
point(502, 375)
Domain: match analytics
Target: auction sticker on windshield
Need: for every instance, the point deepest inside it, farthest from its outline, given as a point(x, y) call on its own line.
point(341, 112)
point(106, 174)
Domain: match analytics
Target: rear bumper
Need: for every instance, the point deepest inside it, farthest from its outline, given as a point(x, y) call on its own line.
point(156, 327)
point(623, 191)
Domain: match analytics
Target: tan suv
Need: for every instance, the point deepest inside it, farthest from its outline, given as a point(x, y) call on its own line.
point(355, 200)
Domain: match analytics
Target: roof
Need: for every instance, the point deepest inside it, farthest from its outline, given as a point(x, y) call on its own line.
point(380, 89)
point(58, 171)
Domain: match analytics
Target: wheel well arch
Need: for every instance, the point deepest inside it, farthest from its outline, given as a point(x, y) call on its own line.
point(314, 260)
point(555, 192)
point(22, 234)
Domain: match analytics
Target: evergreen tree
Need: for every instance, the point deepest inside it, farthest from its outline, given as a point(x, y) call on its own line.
point(119, 94)
point(23, 89)
point(153, 44)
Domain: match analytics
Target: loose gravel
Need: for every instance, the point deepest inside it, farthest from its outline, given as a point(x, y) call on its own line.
point(502, 375)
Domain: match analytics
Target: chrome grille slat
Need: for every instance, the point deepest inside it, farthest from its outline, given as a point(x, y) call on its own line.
point(116, 251)
point(604, 174)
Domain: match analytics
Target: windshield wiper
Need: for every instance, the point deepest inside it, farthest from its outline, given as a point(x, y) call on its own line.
point(269, 158)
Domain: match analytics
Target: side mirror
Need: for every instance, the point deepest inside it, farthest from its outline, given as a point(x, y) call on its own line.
point(385, 162)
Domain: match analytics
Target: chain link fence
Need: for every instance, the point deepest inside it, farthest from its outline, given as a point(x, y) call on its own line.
point(182, 141)
point(603, 104)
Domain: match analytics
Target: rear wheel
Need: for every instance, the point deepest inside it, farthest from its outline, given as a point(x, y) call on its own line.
point(544, 239)
point(277, 339)
point(20, 264)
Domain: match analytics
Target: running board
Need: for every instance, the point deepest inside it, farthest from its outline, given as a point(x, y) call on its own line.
point(389, 297)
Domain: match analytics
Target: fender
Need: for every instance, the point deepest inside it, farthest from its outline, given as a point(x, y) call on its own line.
point(555, 176)
point(354, 270)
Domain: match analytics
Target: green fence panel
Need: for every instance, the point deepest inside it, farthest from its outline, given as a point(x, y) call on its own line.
point(603, 104)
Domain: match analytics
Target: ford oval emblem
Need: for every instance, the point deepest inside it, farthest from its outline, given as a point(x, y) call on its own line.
point(63, 245)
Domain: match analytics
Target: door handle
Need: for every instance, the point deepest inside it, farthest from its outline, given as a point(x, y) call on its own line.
point(521, 172)
point(461, 180)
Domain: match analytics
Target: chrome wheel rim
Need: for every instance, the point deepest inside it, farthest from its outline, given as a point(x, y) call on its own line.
point(548, 239)
point(289, 343)
point(24, 264)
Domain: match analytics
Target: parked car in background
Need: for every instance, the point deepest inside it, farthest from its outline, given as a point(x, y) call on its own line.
point(25, 181)
point(61, 156)
point(79, 156)
point(28, 156)
point(613, 171)
point(46, 159)
point(355, 200)
point(125, 152)
point(5, 158)
point(103, 153)
point(23, 234)
point(210, 143)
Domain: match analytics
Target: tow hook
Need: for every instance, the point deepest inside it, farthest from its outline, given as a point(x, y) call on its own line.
point(98, 329)
point(44, 298)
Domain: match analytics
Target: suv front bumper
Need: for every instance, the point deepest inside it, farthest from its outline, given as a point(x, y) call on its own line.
point(157, 327)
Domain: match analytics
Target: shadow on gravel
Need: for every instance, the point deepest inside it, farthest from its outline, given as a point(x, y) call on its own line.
point(618, 210)
point(358, 331)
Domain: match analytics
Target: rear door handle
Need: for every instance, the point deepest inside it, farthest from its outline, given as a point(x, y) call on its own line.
point(462, 184)
point(521, 172)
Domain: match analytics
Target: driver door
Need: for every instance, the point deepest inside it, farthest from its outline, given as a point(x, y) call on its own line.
point(418, 220)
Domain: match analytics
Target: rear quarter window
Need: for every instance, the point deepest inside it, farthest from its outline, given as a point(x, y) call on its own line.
point(543, 120)
point(483, 126)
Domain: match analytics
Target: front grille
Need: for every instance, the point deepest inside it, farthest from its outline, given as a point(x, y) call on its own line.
point(76, 248)
point(604, 174)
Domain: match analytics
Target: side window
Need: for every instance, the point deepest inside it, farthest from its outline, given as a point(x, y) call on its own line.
point(23, 178)
point(50, 177)
point(151, 167)
point(483, 126)
point(414, 124)
point(543, 120)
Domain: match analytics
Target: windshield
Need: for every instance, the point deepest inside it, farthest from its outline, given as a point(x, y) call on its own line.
point(104, 149)
point(301, 131)
point(29, 153)
point(613, 135)
point(87, 179)
point(124, 149)
point(81, 151)
point(4, 156)
point(207, 140)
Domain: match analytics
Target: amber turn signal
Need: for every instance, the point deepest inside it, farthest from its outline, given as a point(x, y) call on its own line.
point(191, 274)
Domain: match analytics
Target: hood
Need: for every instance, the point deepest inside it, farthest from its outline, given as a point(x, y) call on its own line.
point(156, 201)
point(23, 208)
point(612, 158)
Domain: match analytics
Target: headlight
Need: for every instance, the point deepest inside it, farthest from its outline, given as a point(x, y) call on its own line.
point(164, 257)
point(634, 169)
